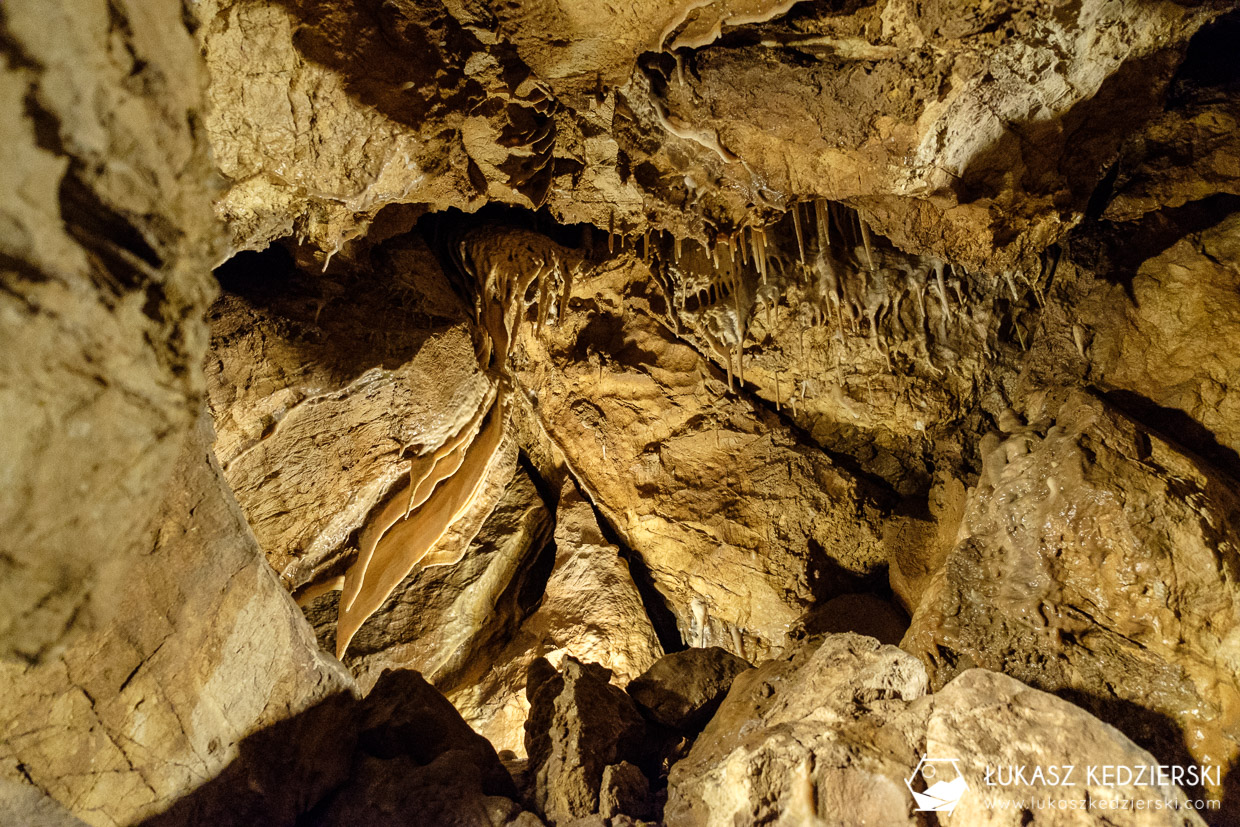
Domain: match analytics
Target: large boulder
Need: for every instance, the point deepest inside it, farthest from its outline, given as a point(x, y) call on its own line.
point(682, 690)
point(579, 726)
point(841, 730)
point(1099, 561)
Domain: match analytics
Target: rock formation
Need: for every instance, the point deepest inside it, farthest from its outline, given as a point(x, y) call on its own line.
point(692, 413)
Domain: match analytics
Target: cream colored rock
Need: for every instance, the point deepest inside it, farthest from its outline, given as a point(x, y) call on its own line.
point(444, 619)
point(836, 729)
point(590, 610)
point(828, 731)
point(205, 649)
point(1098, 561)
point(991, 723)
point(1174, 343)
point(741, 525)
point(106, 240)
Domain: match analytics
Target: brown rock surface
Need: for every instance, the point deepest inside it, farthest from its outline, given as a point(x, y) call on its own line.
point(205, 648)
point(1175, 342)
point(106, 238)
point(579, 725)
point(833, 728)
point(589, 610)
point(683, 689)
point(323, 389)
point(700, 484)
point(1098, 561)
point(828, 730)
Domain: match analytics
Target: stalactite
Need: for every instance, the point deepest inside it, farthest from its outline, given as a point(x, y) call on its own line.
point(796, 224)
point(865, 240)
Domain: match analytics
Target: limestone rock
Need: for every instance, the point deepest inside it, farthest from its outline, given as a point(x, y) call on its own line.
point(682, 690)
point(579, 724)
point(828, 730)
point(989, 721)
point(1174, 342)
point(700, 484)
point(1098, 561)
point(106, 242)
point(205, 648)
point(624, 790)
point(443, 619)
point(590, 610)
point(324, 389)
point(833, 729)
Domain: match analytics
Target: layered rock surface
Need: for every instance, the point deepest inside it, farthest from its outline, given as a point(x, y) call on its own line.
point(106, 239)
point(1098, 560)
point(138, 714)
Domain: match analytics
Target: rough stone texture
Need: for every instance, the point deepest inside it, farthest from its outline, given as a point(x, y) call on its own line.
point(828, 730)
point(444, 619)
point(400, 756)
point(984, 719)
point(105, 243)
point(579, 724)
point(590, 610)
point(831, 730)
point(624, 790)
point(683, 689)
point(205, 648)
point(323, 390)
point(740, 524)
point(1176, 338)
point(975, 132)
point(1098, 561)
point(420, 763)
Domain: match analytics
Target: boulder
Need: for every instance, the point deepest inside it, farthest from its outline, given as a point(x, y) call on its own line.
point(682, 690)
point(579, 725)
point(1097, 560)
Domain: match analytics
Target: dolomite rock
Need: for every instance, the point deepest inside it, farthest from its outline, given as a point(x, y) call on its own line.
point(1098, 561)
point(443, 620)
point(831, 730)
point(106, 239)
point(624, 790)
point(205, 648)
point(590, 610)
point(1175, 338)
point(682, 690)
point(977, 133)
point(579, 724)
point(827, 730)
point(324, 389)
point(740, 524)
point(987, 720)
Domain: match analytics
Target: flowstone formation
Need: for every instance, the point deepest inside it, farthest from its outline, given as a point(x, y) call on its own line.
point(693, 413)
